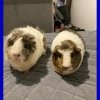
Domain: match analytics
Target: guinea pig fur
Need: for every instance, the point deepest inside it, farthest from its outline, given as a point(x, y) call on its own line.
point(68, 49)
point(23, 47)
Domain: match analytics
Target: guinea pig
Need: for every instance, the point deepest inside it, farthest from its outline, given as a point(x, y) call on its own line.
point(23, 47)
point(67, 49)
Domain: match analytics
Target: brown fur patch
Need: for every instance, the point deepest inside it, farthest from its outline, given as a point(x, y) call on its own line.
point(57, 57)
point(75, 58)
point(67, 44)
point(15, 35)
point(29, 45)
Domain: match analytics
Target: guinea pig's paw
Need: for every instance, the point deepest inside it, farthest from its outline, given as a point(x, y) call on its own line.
point(44, 53)
point(27, 71)
point(12, 69)
point(59, 73)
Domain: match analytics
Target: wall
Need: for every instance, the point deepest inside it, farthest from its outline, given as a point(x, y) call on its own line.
point(83, 14)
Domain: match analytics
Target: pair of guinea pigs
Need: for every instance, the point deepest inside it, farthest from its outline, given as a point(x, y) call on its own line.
point(24, 46)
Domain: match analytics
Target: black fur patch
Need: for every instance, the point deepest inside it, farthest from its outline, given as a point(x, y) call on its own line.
point(29, 45)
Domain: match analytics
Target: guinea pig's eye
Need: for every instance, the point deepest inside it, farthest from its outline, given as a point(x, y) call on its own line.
point(25, 46)
point(72, 54)
point(59, 55)
point(10, 42)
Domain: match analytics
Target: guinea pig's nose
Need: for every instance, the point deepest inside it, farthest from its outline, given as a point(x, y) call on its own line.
point(16, 55)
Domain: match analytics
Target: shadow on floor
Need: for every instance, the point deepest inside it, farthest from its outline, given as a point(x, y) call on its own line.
point(36, 73)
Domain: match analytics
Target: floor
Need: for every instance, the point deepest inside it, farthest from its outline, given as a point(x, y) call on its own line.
point(42, 83)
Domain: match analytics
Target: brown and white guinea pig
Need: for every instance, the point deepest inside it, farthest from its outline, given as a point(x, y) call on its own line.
point(68, 49)
point(23, 47)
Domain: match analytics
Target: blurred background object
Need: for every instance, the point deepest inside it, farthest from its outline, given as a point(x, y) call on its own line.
point(19, 13)
point(62, 16)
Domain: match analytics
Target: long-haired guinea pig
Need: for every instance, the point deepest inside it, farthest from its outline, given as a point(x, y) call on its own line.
point(68, 49)
point(23, 47)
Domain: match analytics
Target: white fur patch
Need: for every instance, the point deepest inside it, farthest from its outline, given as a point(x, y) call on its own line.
point(66, 57)
point(17, 47)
